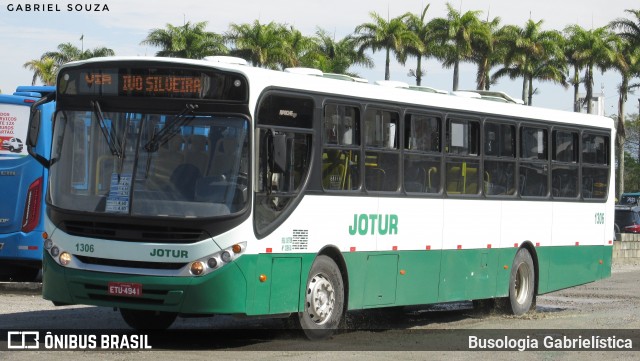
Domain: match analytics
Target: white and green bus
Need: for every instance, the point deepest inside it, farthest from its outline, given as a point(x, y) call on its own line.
point(184, 187)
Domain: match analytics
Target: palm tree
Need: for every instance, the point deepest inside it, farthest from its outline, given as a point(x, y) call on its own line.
point(187, 41)
point(392, 35)
point(577, 64)
point(332, 56)
point(421, 28)
point(68, 52)
point(532, 53)
point(487, 51)
point(297, 46)
point(594, 48)
point(629, 30)
point(261, 45)
point(628, 64)
point(455, 36)
point(45, 69)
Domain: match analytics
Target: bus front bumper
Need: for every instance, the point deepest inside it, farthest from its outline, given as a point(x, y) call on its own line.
point(220, 292)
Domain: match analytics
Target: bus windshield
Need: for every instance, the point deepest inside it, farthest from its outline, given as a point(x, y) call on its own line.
point(146, 164)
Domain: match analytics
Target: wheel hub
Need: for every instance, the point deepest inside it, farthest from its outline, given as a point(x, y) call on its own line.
point(320, 299)
point(522, 283)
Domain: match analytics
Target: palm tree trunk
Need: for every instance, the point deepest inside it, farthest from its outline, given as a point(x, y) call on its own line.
point(530, 91)
point(481, 80)
point(588, 83)
point(419, 71)
point(621, 136)
point(456, 66)
point(524, 90)
point(387, 75)
point(576, 88)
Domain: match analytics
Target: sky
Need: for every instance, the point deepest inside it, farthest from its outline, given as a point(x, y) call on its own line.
point(123, 24)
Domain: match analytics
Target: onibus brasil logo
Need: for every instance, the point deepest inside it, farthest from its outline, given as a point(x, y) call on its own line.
point(31, 340)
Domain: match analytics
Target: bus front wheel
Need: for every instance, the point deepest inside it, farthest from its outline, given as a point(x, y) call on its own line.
point(324, 300)
point(522, 283)
point(147, 320)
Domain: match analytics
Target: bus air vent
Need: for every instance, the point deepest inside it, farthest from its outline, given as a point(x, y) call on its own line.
point(133, 233)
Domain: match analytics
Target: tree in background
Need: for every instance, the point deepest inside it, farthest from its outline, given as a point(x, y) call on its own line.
point(44, 69)
point(532, 53)
point(488, 51)
point(631, 174)
point(298, 47)
point(189, 41)
point(455, 36)
point(263, 45)
point(593, 48)
point(68, 52)
point(627, 63)
point(576, 63)
point(421, 28)
point(331, 56)
point(392, 35)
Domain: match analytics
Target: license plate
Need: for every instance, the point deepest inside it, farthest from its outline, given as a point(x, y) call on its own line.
point(125, 289)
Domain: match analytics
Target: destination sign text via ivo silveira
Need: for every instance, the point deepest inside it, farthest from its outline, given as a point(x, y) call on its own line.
point(147, 84)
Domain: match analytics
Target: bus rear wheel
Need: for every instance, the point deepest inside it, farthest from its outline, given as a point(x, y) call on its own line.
point(324, 300)
point(147, 320)
point(522, 283)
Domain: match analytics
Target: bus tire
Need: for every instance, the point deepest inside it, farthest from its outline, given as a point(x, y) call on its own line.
point(522, 283)
point(324, 300)
point(147, 320)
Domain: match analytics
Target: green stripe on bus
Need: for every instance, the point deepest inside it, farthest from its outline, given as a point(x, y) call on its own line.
point(375, 279)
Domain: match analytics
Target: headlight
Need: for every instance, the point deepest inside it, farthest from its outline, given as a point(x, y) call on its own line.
point(65, 258)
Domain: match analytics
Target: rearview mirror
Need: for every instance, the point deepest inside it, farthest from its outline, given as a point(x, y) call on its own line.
point(34, 130)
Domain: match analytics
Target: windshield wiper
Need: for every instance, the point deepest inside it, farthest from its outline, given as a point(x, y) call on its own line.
point(171, 128)
point(112, 140)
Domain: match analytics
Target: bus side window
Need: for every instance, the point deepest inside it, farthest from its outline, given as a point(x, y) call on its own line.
point(564, 172)
point(341, 153)
point(533, 169)
point(595, 166)
point(422, 156)
point(382, 163)
point(463, 139)
point(500, 159)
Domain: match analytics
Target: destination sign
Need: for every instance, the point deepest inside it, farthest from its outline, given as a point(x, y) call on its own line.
point(153, 83)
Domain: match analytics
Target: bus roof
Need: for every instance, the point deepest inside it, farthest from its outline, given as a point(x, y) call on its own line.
point(260, 79)
point(38, 89)
point(26, 95)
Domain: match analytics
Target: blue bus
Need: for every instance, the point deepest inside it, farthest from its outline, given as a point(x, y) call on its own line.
point(22, 182)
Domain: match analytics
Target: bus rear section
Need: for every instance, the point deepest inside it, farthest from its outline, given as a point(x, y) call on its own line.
point(22, 184)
